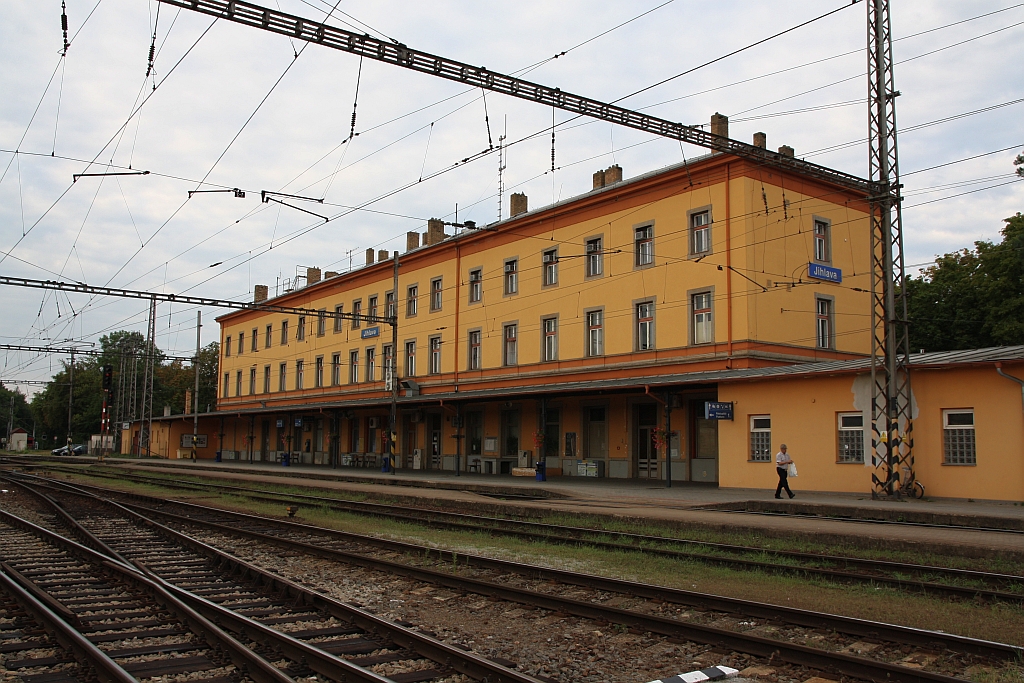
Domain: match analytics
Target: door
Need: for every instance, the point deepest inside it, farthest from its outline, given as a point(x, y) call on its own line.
point(509, 440)
point(596, 446)
point(434, 427)
point(704, 465)
point(645, 421)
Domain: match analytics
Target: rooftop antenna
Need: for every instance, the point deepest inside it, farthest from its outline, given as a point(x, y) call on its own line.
point(501, 166)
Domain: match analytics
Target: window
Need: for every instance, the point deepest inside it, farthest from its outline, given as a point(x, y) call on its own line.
point(282, 376)
point(435, 294)
point(335, 369)
point(299, 368)
point(958, 437)
point(511, 276)
point(594, 257)
point(227, 346)
point(267, 338)
point(353, 367)
point(595, 333)
point(357, 312)
point(411, 301)
point(851, 437)
point(643, 246)
point(822, 241)
point(510, 355)
point(474, 350)
point(284, 332)
point(227, 383)
point(238, 383)
point(321, 322)
point(435, 355)
point(318, 375)
point(761, 438)
point(241, 343)
point(823, 323)
point(476, 285)
point(390, 305)
point(703, 329)
point(255, 339)
point(550, 332)
point(645, 326)
point(410, 359)
point(389, 364)
point(300, 329)
point(700, 232)
point(371, 364)
point(338, 320)
point(252, 381)
point(266, 379)
point(371, 306)
point(549, 261)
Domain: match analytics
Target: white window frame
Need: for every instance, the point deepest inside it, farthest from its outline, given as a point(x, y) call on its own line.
point(410, 358)
point(269, 336)
point(476, 285)
point(300, 367)
point(321, 322)
point(435, 355)
point(282, 377)
point(511, 276)
point(339, 322)
point(959, 445)
point(643, 246)
point(357, 313)
point(412, 301)
point(436, 294)
point(284, 332)
point(300, 329)
point(371, 364)
point(595, 332)
point(549, 341)
point(549, 265)
point(594, 257)
point(475, 351)
point(241, 343)
point(510, 344)
point(700, 232)
point(644, 311)
point(318, 372)
point(353, 366)
point(702, 313)
point(266, 379)
point(822, 240)
point(335, 369)
point(254, 344)
point(850, 438)
point(760, 445)
point(824, 323)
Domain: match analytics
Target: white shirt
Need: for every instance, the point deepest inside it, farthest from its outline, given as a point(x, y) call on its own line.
point(781, 457)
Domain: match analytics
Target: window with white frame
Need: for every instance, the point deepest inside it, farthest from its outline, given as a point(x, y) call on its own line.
point(509, 335)
point(282, 377)
point(254, 344)
point(476, 285)
point(410, 359)
point(761, 438)
point(511, 276)
point(435, 355)
point(550, 331)
point(318, 375)
point(268, 338)
point(371, 364)
point(645, 326)
point(412, 301)
point(436, 292)
point(549, 262)
point(241, 343)
point(594, 257)
point(357, 313)
point(227, 384)
point(703, 326)
point(321, 322)
point(227, 346)
point(390, 305)
point(353, 366)
point(851, 438)
point(300, 367)
point(335, 369)
point(700, 232)
point(474, 350)
point(238, 383)
point(300, 328)
point(252, 381)
point(595, 333)
point(284, 332)
point(958, 446)
point(823, 323)
point(388, 351)
point(822, 241)
point(371, 307)
point(338, 320)
point(643, 246)
point(266, 379)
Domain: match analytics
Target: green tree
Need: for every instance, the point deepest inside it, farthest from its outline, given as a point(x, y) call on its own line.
point(15, 410)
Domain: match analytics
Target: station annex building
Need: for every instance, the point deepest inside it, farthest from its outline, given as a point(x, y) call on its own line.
point(593, 332)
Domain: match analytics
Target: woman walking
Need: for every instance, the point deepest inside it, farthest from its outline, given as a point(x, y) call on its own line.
point(782, 463)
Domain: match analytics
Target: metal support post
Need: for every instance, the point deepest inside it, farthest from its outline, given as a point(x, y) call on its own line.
point(393, 371)
point(71, 395)
point(195, 397)
point(668, 441)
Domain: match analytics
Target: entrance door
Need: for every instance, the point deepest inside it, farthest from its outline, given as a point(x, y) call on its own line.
point(509, 440)
point(596, 446)
point(646, 421)
point(704, 465)
point(434, 427)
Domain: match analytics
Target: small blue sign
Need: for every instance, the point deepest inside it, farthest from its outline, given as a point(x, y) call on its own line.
point(822, 272)
point(714, 410)
point(370, 332)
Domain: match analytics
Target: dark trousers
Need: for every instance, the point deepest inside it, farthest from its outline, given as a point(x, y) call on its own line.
point(783, 482)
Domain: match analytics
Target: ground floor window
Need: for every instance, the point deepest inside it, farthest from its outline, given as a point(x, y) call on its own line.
point(851, 437)
point(761, 438)
point(958, 437)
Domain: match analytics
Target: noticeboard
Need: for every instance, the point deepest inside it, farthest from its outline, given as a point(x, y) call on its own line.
point(186, 441)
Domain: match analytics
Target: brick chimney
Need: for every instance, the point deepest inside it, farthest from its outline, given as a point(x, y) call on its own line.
point(260, 293)
point(598, 179)
point(612, 175)
point(761, 140)
point(412, 241)
point(329, 274)
point(312, 276)
point(786, 151)
point(435, 231)
point(382, 255)
point(517, 204)
point(720, 125)
point(369, 256)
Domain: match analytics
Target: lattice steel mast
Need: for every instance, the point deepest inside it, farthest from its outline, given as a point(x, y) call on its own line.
point(891, 406)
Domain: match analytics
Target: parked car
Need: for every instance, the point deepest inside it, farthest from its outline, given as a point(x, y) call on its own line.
point(79, 449)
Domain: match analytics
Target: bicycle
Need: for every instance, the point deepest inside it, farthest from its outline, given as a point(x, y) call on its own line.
point(909, 486)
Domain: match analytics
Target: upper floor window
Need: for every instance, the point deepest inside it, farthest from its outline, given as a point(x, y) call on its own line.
point(700, 232)
point(238, 383)
point(267, 337)
point(435, 355)
point(284, 332)
point(474, 350)
point(371, 364)
point(371, 307)
point(703, 327)
point(435, 294)
point(255, 339)
point(282, 376)
point(511, 276)
point(353, 367)
point(241, 343)
point(335, 369)
point(410, 359)
point(595, 333)
point(357, 312)
point(389, 364)
point(594, 257)
point(318, 376)
point(412, 301)
point(761, 438)
point(645, 326)
point(300, 328)
point(338, 320)
point(266, 379)
point(321, 322)
point(549, 260)
point(227, 346)
point(511, 344)
point(390, 305)
point(252, 381)
point(300, 367)
point(476, 285)
point(822, 241)
point(851, 437)
point(226, 385)
point(958, 447)
point(825, 333)
point(643, 246)
point(549, 327)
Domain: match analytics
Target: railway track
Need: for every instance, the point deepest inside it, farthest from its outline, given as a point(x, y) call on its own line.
point(934, 580)
point(543, 588)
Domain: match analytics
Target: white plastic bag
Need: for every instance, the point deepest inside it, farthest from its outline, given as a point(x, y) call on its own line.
point(792, 469)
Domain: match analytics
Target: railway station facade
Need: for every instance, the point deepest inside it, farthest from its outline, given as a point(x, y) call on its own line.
point(594, 333)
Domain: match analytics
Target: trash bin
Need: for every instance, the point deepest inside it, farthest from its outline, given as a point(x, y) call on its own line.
point(385, 464)
point(217, 457)
point(542, 470)
point(286, 459)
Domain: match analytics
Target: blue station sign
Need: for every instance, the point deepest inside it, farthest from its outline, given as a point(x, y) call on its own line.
point(370, 332)
point(716, 410)
point(823, 272)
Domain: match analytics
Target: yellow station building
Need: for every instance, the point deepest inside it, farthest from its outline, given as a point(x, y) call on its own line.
point(592, 333)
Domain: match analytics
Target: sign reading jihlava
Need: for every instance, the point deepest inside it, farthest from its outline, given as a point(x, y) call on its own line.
point(371, 332)
point(822, 272)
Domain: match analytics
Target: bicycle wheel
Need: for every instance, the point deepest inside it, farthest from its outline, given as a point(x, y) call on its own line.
point(916, 490)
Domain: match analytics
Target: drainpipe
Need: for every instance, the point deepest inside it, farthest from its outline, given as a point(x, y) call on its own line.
point(999, 369)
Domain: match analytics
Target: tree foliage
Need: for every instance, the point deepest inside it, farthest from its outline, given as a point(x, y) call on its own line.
point(18, 410)
point(971, 298)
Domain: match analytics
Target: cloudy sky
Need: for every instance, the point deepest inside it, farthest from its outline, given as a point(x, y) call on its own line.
point(235, 107)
